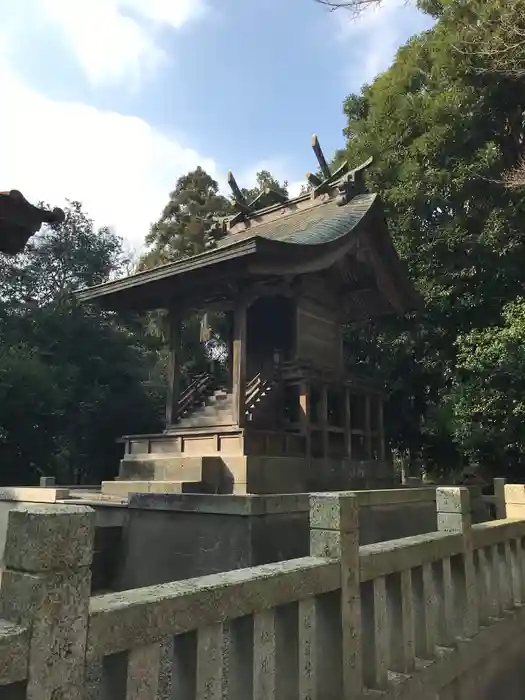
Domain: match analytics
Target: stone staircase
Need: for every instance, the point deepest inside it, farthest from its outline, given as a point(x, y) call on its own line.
point(217, 409)
point(161, 472)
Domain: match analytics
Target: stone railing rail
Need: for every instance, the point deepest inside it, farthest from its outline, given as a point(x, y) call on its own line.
point(408, 617)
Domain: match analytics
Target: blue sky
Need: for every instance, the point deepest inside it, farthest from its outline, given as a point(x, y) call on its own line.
point(110, 101)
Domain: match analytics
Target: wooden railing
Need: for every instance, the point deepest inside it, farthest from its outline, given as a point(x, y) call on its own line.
point(194, 393)
point(406, 617)
point(256, 388)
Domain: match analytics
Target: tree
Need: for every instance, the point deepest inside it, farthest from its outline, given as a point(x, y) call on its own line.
point(187, 224)
point(263, 180)
point(488, 395)
point(441, 134)
point(61, 259)
point(72, 379)
point(356, 7)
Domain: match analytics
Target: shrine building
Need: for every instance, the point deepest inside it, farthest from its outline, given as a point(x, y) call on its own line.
point(287, 415)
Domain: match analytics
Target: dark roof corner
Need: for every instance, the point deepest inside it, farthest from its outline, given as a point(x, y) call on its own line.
point(19, 220)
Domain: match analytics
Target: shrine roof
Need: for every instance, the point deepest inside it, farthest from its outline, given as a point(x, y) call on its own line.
point(322, 222)
point(334, 223)
point(291, 238)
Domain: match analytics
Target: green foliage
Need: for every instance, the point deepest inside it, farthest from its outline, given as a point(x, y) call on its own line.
point(442, 133)
point(263, 180)
point(488, 397)
point(186, 225)
point(72, 380)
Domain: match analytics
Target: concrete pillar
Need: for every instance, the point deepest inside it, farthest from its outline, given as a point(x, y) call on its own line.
point(454, 515)
point(45, 586)
point(334, 533)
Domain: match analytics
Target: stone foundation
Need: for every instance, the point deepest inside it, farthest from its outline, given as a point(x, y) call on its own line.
point(245, 474)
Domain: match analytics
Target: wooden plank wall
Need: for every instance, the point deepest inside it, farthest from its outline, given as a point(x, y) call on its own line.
point(319, 333)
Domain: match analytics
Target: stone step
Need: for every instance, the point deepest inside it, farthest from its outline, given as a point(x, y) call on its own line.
point(220, 397)
point(204, 421)
point(163, 468)
point(221, 393)
point(124, 488)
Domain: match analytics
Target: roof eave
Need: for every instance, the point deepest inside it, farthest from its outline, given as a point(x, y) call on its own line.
point(180, 267)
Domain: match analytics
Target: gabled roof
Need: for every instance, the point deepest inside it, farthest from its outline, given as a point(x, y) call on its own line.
point(335, 220)
point(322, 222)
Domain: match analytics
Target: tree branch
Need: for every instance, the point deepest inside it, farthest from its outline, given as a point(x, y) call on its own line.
point(356, 7)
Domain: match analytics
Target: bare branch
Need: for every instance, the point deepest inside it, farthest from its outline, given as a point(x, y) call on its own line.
point(356, 7)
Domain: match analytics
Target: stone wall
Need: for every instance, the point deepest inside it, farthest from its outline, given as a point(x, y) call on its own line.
point(168, 537)
point(433, 616)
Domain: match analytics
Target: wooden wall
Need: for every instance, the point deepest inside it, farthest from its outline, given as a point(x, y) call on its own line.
point(319, 330)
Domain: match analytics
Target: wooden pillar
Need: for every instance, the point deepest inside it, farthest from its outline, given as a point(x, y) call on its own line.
point(347, 423)
point(174, 364)
point(324, 420)
point(239, 363)
point(368, 427)
point(381, 429)
point(229, 341)
point(304, 405)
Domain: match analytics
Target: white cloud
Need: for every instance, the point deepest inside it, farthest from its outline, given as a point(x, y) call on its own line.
point(375, 36)
point(116, 40)
point(119, 167)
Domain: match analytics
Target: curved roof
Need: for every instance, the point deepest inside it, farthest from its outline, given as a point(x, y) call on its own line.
point(324, 222)
point(302, 236)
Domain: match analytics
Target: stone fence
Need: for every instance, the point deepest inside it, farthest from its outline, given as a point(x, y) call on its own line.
point(420, 618)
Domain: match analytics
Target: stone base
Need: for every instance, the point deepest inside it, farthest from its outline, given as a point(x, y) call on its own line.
point(245, 474)
point(125, 487)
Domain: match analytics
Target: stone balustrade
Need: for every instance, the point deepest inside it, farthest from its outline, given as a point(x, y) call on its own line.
point(418, 618)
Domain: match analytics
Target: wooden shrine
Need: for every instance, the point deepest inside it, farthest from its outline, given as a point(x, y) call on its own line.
point(290, 417)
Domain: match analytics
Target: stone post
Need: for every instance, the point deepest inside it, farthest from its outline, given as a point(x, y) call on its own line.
point(45, 587)
point(454, 516)
point(499, 497)
point(334, 533)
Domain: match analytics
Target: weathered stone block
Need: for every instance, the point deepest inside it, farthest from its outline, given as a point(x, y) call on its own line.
point(59, 632)
point(334, 511)
point(45, 538)
point(29, 494)
point(325, 543)
point(515, 510)
point(452, 522)
point(515, 493)
point(14, 645)
point(452, 499)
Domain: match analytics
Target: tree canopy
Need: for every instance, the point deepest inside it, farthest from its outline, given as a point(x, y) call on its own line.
point(72, 379)
point(443, 133)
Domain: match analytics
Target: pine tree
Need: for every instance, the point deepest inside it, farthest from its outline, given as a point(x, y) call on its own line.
point(186, 225)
